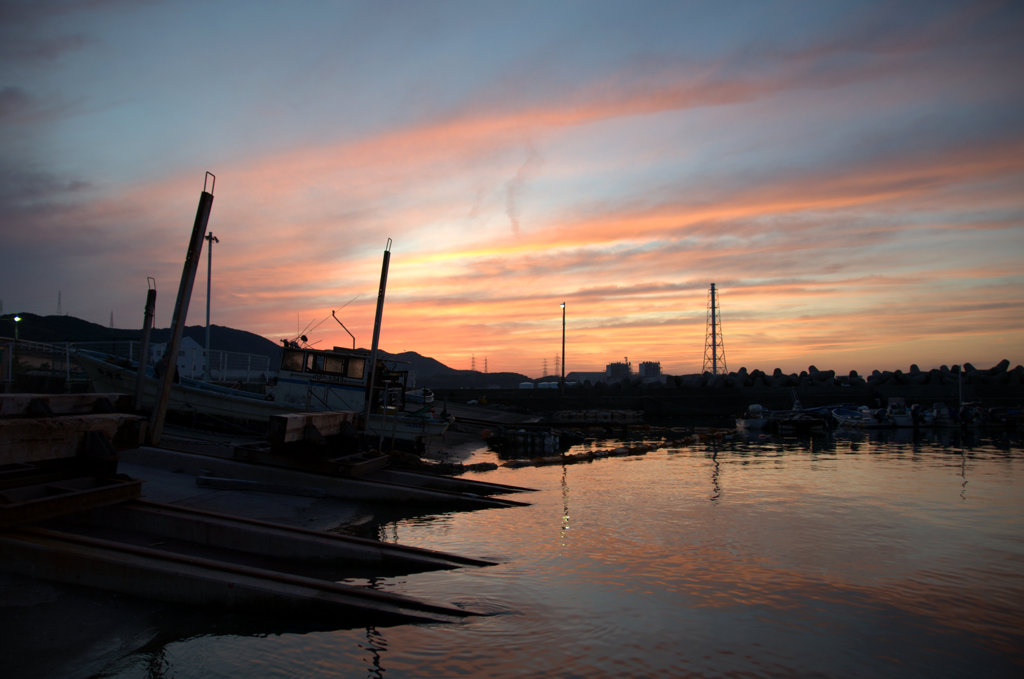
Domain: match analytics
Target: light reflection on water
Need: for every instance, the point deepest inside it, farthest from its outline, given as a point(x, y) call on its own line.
point(836, 557)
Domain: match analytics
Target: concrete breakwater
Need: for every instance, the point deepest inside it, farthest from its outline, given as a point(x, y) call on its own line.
point(999, 375)
point(715, 400)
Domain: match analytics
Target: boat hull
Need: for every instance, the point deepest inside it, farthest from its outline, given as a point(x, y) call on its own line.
point(193, 397)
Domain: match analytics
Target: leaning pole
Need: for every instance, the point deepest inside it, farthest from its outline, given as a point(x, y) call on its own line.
point(188, 277)
point(376, 328)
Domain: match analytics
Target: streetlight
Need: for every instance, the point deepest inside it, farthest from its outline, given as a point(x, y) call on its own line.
point(563, 348)
point(17, 319)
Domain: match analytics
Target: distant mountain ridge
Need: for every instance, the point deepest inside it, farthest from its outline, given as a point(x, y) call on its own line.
point(70, 329)
point(54, 329)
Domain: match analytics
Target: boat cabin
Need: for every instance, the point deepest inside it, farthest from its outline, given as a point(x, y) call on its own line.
point(336, 379)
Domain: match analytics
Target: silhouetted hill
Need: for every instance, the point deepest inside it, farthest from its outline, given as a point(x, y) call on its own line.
point(422, 366)
point(432, 373)
point(56, 329)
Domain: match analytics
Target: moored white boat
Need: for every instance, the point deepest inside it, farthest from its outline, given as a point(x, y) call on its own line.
point(861, 417)
point(754, 419)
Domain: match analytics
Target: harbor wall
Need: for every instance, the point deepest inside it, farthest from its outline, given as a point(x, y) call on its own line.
point(711, 399)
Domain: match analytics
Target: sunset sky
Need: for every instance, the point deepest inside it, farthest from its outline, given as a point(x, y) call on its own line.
point(850, 175)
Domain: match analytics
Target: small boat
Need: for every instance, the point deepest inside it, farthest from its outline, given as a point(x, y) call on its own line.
point(798, 422)
point(754, 419)
point(423, 395)
point(861, 417)
point(899, 414)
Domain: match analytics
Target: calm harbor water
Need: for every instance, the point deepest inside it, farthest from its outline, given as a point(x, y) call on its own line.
point(833, 557)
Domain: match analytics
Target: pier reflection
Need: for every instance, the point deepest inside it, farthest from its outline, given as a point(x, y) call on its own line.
point(376, 644)
point(963, 474)
point(564, 531)
point(716, 468)
point(841, 556)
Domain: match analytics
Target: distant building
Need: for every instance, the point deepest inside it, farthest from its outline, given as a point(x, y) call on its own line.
point(618, 372)
point(649, 369)
point(577, 377)
point(650, 372)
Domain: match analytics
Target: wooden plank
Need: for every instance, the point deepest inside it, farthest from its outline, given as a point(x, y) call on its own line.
point(64, 496)
point(246, 538)
point(159, 574)
point(37, 405)
point(33, 439)
point(294, 427)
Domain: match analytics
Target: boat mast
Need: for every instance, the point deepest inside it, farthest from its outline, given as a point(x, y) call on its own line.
point(376, 327)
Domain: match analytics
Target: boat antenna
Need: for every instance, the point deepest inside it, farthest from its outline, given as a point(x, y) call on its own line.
point(309, 330)
point(344, 328)
point(306, 329)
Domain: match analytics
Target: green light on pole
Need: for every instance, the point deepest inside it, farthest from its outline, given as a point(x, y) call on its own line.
point(17, 319)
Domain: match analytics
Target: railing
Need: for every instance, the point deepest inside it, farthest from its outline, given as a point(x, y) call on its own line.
point(228, 366)
point(35, 358)
point(224, 366)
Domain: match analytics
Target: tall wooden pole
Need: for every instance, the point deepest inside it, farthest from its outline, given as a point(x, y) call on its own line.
point(376, 329)
point(147, 327)
point(188, 278)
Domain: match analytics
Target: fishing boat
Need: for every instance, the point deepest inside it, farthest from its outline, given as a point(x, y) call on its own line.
point(339, 379)
point(309, 380)
point(369, 389)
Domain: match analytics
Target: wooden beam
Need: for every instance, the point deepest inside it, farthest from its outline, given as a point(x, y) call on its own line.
point(308, 426)
point(32, 439)
point(37, 405)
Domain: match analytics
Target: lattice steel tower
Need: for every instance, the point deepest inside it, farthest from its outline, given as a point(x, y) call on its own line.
point(714, 347)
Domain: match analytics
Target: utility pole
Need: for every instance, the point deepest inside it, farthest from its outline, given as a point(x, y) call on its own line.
point(211, 239)
point(563, 349)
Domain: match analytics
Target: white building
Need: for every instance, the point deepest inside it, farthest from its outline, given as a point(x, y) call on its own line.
point(190, 357)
